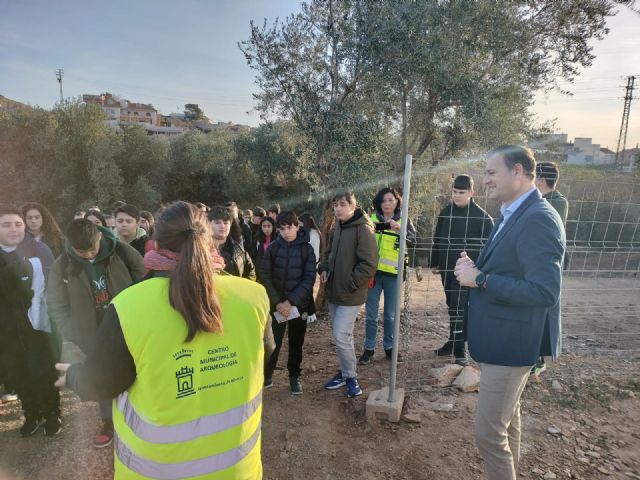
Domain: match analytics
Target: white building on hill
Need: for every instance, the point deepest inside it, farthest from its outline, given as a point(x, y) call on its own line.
point(584, 152)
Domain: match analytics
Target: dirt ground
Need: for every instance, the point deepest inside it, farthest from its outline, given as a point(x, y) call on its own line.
point(580, 421)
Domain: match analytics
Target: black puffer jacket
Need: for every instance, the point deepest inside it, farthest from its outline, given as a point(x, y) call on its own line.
point(288, 271)
point(237, 260)
point(15, 294)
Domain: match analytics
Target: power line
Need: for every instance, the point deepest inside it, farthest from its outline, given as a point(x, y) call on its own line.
point(59, 75)
point(624, 126)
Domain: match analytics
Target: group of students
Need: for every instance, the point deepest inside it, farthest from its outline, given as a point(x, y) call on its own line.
point(94, 262)
point(132, 314)
point(183, 351)
point(283, 253)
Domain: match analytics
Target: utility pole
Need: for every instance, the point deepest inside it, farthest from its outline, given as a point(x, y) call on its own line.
point(624, 127)
point(59, 75)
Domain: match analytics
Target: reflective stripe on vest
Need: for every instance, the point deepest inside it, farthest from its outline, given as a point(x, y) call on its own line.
point(193, 468)
point(189, 430)
point(388, 248)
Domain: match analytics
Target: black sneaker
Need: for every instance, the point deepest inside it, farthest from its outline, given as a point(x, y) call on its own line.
point(460, 355)
point(538, 368)
point(31, 426)
point(268, 383)
point(388, 355)
point(462, 361)
point(52, 425)
point(296, 386)
point(365, 358)
point(445, 350)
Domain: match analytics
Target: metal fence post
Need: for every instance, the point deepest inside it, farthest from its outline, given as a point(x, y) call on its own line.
point(406, 187)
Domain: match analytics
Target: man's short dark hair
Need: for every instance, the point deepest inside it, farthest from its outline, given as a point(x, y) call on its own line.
point(549, 172)
point(287, 217)
point(515, 154)
point(82, 234)
point(231, 204)
point(275, 208)
point(220, 213)
point(6, 209)
point(348, 195)
point(98, 215)
point(129, 209)
point(463, 182)
point(259, 212)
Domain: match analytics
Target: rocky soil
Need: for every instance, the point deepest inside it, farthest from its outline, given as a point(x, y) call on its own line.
point(580, 419)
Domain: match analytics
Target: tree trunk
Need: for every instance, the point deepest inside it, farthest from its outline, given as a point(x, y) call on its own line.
point(327, 225)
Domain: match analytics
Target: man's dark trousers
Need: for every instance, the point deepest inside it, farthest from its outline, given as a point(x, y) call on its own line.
point(29, 359)
point(297, 329)
point(456, 296)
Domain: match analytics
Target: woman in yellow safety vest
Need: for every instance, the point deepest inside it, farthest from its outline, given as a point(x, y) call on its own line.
point(182, 351)
point(387, 206)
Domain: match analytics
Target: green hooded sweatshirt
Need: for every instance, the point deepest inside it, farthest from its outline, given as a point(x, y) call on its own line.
point(95, 269)
point(560, 203)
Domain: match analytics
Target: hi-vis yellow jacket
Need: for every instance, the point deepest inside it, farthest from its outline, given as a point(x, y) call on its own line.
point(194, 410)
point(388, 247)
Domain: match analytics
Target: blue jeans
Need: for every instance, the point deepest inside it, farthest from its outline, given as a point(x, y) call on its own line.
point(388, 285)
point(343, 319)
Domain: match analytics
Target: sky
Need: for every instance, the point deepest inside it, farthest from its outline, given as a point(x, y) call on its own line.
point(169, 53)
point(166, 53)
point(595, 109)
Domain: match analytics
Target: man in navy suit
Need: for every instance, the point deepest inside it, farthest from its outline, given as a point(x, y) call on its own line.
point(513, 307)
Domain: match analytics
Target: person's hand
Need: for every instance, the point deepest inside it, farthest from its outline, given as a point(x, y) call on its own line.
point(394, 225)
point(286, 307)
point(435, 270)
point(324, 276)
point(466, 273)
point(464, 258)
point(62, 367)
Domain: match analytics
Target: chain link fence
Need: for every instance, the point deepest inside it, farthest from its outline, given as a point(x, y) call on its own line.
point(601, 285)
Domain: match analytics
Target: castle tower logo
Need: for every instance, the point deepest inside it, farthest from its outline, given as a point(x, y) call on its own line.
point(184, 379)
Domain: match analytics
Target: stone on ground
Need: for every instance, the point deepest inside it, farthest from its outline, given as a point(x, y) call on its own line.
point(446, 374)
point(468, 380)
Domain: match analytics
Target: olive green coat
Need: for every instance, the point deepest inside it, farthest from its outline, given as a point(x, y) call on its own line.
point(351, 260)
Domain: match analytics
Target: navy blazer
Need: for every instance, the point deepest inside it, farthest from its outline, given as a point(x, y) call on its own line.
point(516, 319)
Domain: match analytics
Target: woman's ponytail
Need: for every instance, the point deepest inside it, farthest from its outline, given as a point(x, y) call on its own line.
point(184, 229)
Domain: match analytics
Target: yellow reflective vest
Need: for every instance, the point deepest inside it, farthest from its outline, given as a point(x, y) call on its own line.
point(194, 410)
point(388, 247)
